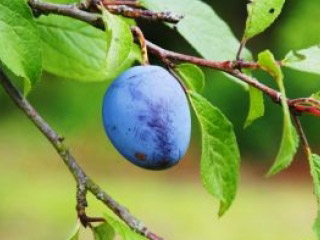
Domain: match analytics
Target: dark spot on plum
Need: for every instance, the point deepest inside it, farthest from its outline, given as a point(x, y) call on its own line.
point(134, 90)
point(133, 76)
point(114, 128)
point(159, 122)
point(140, 156)
point(271, 10)
point(142, 118)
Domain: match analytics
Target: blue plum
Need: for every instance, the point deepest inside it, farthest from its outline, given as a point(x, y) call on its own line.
point(147, 117)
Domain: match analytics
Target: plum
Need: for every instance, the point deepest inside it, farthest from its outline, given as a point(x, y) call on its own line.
point(146, 116)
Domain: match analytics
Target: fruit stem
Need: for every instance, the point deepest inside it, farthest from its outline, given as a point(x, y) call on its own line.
point(143, 45)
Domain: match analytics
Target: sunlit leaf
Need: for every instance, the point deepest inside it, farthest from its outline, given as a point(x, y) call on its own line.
point(103, 232)
point(122, 229)
point(207, 33)
point(75, 50)
point(314, 162)
point(256, 108)
point(290, 140)
point(316, 96)
point(192, 76)
point(220, 154)
point(306, 60)
point(75, 233)
point(19, 42)
point(261, 14)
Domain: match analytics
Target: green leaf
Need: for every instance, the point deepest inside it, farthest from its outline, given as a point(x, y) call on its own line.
point(103, 232)
point(256, 109)
point(75, 50)
point(316, 225)
point(120, 42)
point(123, 230)
point(290, 140)
point(192, 76)
point(209, 35)
point(75, 233)
point(261, 14)
point(19, 41)
point(316, 96)
point(314, 161)
point(220, 154)
point(201, 27)
point(306, 60)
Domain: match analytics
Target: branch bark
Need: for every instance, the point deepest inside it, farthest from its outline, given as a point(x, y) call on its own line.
point(230, 67)
point(302, 135)
point(85, 183)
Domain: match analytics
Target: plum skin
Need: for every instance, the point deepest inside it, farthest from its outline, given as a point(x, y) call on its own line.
point(146, 116)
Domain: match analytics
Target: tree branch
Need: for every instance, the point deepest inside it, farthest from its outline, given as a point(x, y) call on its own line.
point(302, 135)
point(230, 67)
point(85, 183)
point(114, 3)
point(144, 14)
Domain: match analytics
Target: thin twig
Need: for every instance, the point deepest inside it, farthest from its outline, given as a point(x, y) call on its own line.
point(144, 14)
point(140, 36)
point(307, 101)
point(69, 10)
point(79, 175)
point(302, 135)
point(115, 3)
point(230, 67)
point(241, 47)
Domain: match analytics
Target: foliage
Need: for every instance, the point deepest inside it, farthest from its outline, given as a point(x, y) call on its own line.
point(290, 140)
point(192, 76)
point(75, 233)
point(256, 108)
point(306, 60)
point(71, 49)
point(261, 14)
point(19, 40)
point(220, 154)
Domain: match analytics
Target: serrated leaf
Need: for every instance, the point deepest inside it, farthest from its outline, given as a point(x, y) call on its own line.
point(306, 60)
point(207, 33)
point(19, 42)
point(220, 154)
point(192, 76)
point(314, 162)
point(103, 232)
point(123, 230)
point(75, 233)
point(75, 50)
point(261, 14)
point(256, 108)
point(290, 140)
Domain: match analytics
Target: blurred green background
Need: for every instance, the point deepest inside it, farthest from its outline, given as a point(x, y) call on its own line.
point(37, 194)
